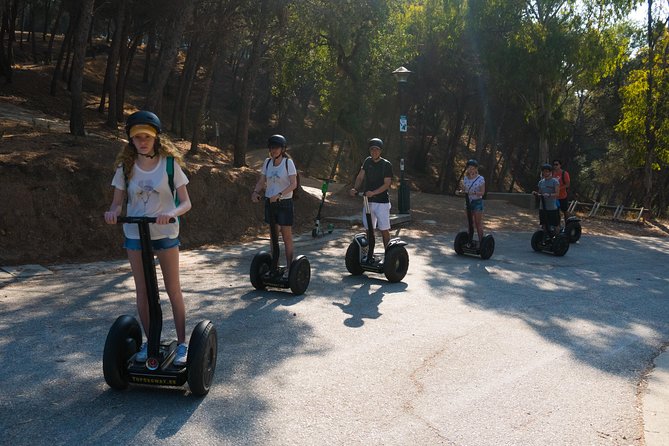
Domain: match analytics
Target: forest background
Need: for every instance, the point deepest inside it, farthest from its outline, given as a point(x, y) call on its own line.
point(512, 83)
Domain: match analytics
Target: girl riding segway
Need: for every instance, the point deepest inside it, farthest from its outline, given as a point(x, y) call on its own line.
point(278, 178)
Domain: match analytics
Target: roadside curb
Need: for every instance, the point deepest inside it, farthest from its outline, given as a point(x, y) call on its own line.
point(656, 403)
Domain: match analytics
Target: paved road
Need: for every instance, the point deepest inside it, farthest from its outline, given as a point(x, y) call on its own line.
point(523, 349)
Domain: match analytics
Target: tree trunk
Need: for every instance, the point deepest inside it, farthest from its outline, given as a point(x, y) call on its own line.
point(47, 11)
point(5, 66)
point(59, 14)
point(150, 48)
point(248, 83)
point(169, 48)
point(33, 43)
point(206, 87)
point(119, 39)
point(57, 72)
point(650, 114)
point(78, 61)
point(191, 66)
point(124, 66)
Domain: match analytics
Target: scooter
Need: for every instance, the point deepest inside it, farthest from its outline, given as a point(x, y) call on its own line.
point(360, 253)
point(266, 272)
point(464, 240)
point(119, 363)
point(318, 229)
point(547, 240)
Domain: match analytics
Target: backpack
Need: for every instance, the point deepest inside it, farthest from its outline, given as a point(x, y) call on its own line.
point(296, 195)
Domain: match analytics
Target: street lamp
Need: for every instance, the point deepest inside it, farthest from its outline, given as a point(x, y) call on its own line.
point(403, 200)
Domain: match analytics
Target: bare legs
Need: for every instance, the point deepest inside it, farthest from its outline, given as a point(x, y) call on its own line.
point(477, 217)
point(169, 265)
point(287, 236)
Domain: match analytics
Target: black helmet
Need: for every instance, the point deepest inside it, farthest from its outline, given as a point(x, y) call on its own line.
point(276, 140)
point(472, 162)
point(375, 142)
point(142, 117)
point(546, 166)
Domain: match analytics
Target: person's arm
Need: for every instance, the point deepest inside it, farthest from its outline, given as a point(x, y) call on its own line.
point(184, 206)
point(116, 206)
point(567, 179)
point(291, 176)
point(292, 186)
point(481, 192)
point(358, 182)
point(259, 187)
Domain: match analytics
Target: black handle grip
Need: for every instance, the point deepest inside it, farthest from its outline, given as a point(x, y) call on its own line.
point(140, 220)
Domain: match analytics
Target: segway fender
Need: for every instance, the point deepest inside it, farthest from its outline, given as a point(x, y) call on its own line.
point(396, 242)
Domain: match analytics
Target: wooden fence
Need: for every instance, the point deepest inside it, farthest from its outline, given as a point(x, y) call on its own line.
point(618, 213)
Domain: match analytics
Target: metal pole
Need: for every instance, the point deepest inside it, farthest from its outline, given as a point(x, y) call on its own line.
point(403, 198)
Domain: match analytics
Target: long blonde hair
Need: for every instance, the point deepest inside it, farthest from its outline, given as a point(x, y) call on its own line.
point(128, 155)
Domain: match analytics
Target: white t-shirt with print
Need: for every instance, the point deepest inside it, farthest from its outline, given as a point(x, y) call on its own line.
point(473, 186)
point(278, 177)
point(149, 195)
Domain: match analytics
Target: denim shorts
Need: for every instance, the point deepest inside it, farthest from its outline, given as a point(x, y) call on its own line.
point(476, 205)
point(283, 211)
point(133, 244)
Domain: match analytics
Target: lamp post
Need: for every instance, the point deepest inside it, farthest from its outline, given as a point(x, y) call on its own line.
point(403, 199)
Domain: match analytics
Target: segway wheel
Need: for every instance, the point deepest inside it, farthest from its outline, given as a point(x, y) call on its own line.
point(487, 247)
point(460, 241)
point(202, 354)
point(560, 245)
point(353, 259)
point(123, 341)
point(396, 263)
point(537, 239)
point(573, 231)
point(300, 275)
point(260, 266)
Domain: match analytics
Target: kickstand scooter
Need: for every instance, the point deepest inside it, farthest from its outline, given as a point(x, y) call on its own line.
point(318, 229)
point(360, 253)
point(125, 338)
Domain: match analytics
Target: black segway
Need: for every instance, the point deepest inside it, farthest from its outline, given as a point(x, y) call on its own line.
point(572, 229)
point(546, 240)
point(464, 240)
point(360, 253)
point(266, 272)
point(125, 338)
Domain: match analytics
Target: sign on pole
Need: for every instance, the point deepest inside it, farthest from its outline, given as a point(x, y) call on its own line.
point(403, 123)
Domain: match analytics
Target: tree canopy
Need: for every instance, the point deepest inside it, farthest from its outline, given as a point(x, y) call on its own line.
point(513, 83)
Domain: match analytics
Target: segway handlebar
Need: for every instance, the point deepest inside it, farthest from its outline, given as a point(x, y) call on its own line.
point(140, 220)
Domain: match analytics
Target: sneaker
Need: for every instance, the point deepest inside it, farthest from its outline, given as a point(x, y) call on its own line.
point(181, 355)
point(142, 354)
point(286, 274)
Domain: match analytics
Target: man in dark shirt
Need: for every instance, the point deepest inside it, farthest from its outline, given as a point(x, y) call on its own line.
point(374, 179)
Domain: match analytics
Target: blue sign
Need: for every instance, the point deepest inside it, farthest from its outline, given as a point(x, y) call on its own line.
point(403, 123)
